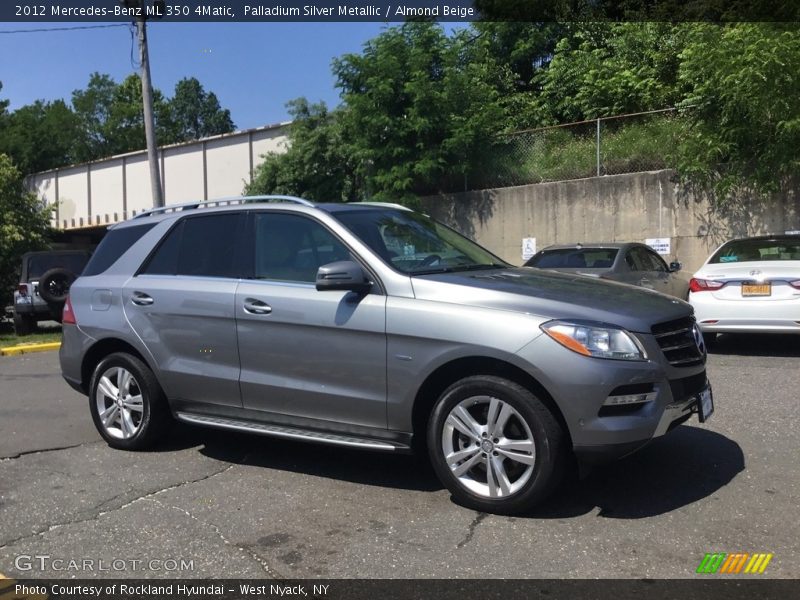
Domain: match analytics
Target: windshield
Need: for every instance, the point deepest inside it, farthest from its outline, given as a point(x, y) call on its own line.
point(573, 258)
point(415, 244)
point(758, 250)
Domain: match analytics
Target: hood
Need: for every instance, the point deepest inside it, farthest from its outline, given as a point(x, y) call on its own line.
point(552, 295)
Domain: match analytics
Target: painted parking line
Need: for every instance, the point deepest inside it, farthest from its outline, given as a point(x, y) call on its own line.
point(28, 348)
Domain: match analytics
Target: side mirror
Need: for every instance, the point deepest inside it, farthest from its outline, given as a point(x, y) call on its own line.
point(675, 266)
point(343, 275)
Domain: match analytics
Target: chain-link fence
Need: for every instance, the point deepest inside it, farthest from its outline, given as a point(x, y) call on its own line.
point(606, 146)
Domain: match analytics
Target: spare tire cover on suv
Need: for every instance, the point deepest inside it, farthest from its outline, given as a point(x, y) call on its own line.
point(54, 285)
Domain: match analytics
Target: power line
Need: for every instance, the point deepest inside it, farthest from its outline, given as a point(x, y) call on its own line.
point(63, 28)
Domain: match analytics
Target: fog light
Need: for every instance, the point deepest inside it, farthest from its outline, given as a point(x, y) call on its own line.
point(630, 399)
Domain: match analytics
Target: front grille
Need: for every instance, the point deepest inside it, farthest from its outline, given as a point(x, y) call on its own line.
point(676, 339)
point(687, 386)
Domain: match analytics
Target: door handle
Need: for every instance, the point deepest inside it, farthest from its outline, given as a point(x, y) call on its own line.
point(142, 299)
point(256, 307)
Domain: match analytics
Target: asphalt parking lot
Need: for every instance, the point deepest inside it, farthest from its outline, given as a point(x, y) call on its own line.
point(241, 506)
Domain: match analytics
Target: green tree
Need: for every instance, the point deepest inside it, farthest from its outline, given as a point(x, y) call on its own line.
point(40, 136)
point(520, 53)
point(3, 108)
point(743, 83)
point(604, 69)
point(112, 118)
point(421, 109)
point(314, 165)
point(24, 223)
point(196, 113)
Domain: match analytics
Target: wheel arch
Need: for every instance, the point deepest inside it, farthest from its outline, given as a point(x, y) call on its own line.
point(98, 351)
point(447, 374)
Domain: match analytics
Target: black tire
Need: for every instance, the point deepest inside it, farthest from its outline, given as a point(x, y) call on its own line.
point(24, 324)
point(154, 418)
point(710, 340)
point(54, 285)
point(549, 461)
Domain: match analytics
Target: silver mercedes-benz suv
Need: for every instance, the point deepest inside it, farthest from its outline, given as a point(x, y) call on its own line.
point(373, 326)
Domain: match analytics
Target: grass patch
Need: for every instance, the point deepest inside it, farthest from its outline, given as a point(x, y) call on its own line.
point(44, 335)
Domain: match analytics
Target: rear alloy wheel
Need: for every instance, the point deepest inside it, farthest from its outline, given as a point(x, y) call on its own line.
point(495, 445)
point(127, 404)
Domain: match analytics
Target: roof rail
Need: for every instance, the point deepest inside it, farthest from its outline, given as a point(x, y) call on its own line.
point(227, 201)
point(386, 204)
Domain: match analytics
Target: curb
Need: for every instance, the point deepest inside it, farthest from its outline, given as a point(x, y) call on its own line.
point(28, 348)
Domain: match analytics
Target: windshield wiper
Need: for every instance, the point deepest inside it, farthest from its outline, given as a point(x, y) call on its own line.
point(457, 268)
point(479, 267)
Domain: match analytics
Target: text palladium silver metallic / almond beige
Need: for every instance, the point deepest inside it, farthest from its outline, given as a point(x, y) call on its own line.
point(373, 326)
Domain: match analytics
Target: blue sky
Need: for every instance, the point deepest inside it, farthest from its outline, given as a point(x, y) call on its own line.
point(254, 68)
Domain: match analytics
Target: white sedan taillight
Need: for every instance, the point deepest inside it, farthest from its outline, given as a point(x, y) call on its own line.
point(704, 285)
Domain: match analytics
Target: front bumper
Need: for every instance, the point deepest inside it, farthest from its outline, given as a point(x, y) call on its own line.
point(581, 385)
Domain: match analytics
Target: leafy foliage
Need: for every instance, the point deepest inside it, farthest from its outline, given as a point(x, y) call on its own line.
point(743, 83)
point(40, 135)
point(106, 118)
point(314, 166)
point(23, 223)
point(195, 113)
point(604, 69)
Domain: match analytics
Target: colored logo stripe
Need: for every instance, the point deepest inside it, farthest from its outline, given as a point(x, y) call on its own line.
point(722, 562)
point(711, 562)
point(758, 563)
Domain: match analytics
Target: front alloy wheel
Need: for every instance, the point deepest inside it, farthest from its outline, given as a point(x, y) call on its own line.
point(495, 445)
point(488, 447)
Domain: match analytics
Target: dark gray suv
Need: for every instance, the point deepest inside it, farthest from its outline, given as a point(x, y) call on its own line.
point(372, 326)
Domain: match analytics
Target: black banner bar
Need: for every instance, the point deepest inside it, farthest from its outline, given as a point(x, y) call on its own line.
point(394, 11)
point(707, 587)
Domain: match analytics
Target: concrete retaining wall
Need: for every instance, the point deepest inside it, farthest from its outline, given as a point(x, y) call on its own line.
point(632, 207)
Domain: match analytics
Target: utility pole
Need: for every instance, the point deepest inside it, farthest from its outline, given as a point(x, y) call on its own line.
point(149, 117)
point(140, 6)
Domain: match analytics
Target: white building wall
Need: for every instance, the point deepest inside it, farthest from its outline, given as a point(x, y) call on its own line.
point(183, 174)
point(106, 190)
point(116, 188)
point(227, 167)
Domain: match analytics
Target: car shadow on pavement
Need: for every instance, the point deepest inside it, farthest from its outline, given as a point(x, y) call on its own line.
point(757, 344)
point(345, 464)
point(674, 471)
point(686, 466)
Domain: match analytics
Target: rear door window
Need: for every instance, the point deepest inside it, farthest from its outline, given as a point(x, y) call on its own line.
point(199, 246)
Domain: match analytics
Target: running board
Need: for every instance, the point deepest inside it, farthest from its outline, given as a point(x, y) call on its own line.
point(290, 432)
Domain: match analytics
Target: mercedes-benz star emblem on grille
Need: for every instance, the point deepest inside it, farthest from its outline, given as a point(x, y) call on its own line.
point(698, 339)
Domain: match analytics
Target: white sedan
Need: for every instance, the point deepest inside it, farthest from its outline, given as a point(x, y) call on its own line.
point(749, 285)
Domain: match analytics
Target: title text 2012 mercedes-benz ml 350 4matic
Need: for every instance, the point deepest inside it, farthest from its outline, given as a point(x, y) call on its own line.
point(373, 326)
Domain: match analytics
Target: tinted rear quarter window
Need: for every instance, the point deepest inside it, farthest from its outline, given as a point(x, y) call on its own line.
point(114, 245)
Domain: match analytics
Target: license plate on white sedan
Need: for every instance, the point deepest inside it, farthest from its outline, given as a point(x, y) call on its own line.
point(705, 404)
point(756, 289)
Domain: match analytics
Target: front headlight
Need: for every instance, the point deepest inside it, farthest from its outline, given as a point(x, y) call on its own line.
point(595, 339)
